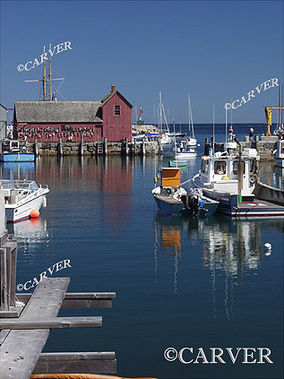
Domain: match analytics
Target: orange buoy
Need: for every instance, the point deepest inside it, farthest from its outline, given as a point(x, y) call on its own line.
point(34, 213)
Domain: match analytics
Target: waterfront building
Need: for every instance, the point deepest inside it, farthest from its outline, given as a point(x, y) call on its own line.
point(49, 121)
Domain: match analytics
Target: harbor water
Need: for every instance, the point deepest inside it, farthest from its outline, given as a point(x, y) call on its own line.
point(180, 282)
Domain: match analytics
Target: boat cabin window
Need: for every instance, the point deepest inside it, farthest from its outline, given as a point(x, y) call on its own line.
point(204, 166)
point(235, 167)
point(220, 167)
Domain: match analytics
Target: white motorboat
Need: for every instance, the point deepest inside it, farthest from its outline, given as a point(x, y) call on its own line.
point(184, 150)
point(232, 180)
point(221, 171)
point(23, 199)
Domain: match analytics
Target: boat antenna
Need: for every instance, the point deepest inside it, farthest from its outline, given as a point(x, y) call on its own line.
point(231, 113)
point(213, 127)
point(226, 126)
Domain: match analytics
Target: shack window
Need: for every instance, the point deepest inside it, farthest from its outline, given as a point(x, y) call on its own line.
point(117, 110)
point(220, 167)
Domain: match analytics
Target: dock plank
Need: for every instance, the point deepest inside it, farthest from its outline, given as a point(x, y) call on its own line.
point(80, 299)
point(87, 362)
point(21, 349)
point(51, 323)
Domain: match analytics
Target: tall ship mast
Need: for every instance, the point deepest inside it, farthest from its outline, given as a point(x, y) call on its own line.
point(46, 81)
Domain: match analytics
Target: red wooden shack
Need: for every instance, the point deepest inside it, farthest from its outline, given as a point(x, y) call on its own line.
point(47, 121)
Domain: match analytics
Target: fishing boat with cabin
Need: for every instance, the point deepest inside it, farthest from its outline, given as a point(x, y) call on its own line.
point(13, 151)
point(232, 179)
point(172, 199)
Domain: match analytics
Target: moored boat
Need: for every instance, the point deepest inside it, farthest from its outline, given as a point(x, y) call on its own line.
point(13, 152)
point(173, 199)
point(177, 163)
point(23, 199)
point(231, 179)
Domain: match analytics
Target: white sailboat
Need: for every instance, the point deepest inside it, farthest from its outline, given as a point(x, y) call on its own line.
point(186, 146)
point(166, 141)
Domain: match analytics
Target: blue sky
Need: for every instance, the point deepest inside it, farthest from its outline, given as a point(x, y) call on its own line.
point(215, 50)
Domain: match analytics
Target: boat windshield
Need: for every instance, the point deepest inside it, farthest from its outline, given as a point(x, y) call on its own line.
point(19, 184)
point(220, 167)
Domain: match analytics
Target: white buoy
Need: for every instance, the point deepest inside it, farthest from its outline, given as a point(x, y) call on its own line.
point(268, 247)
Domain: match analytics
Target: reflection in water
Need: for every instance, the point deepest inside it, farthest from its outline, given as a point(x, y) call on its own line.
point(107, 180)
point(30, 234)
point(168, 231)
point(16, 170)
point(230, 250)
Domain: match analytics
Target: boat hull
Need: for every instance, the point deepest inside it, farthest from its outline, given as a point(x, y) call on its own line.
point(256, 208)
point(17, 157)
point(19, 212)
point(177, 163)
point(169, 205)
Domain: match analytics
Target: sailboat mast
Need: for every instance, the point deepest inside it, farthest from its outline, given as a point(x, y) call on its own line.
point(160, 111)
point(50, 80)
point(279, 104)
point(44, 77)
point(190, 118)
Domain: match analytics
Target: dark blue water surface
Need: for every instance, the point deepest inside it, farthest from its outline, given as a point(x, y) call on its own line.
point(180, 282)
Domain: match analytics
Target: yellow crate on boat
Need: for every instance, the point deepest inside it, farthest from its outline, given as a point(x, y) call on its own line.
point(170, 177)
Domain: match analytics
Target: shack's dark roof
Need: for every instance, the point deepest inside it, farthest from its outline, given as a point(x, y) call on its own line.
point(57, 111)
point(109, 95)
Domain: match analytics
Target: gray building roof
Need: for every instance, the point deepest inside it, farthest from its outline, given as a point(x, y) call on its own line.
point(58, 111)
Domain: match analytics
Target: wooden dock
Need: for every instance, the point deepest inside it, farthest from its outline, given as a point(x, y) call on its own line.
point(26, 320)
point(22, 339)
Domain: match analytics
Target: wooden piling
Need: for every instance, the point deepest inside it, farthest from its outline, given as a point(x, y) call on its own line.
point(60, 148)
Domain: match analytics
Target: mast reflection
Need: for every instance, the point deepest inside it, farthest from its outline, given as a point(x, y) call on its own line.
point(231, 251)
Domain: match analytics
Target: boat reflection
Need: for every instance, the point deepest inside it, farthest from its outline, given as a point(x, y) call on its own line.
point(17, 171)
point(30, 234)
point(168, 239)
point(231, 251)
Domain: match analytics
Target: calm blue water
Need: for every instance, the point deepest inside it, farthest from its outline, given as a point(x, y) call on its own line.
point(179, 282)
